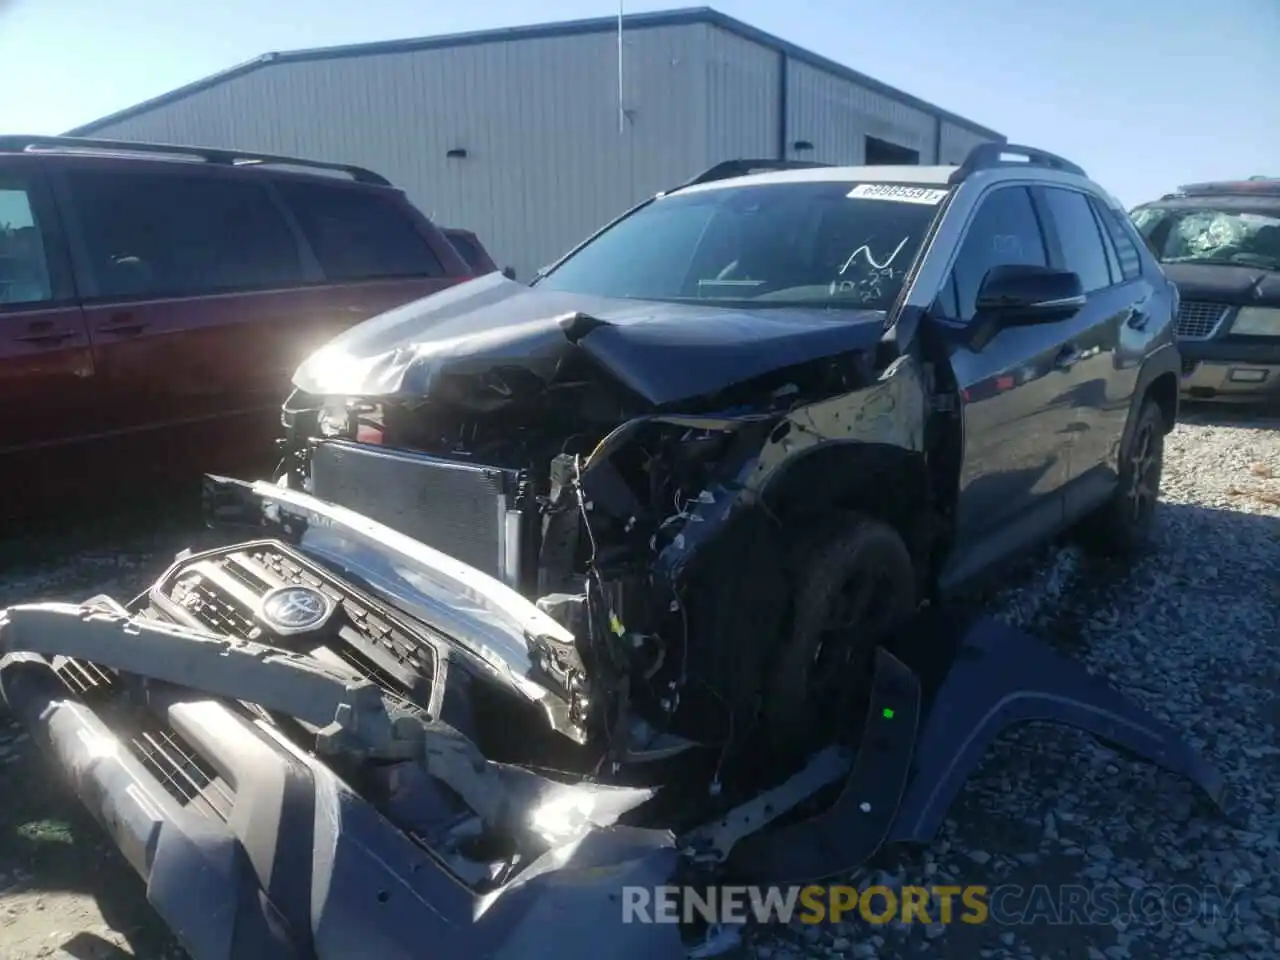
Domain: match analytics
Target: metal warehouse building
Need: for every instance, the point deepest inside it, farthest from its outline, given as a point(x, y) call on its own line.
point(535, 136)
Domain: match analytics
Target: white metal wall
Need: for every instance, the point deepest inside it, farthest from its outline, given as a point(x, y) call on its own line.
point(836, 116)
point(743, 80)
point(546, 162)
point(957, 142)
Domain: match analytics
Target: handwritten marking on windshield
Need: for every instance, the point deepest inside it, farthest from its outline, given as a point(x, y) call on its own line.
point(865, 251)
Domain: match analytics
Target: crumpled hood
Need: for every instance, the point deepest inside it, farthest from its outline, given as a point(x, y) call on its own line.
point(497, 337)
point(1247, 286)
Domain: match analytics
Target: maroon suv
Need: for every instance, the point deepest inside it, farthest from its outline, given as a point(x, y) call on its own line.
point(154, 301)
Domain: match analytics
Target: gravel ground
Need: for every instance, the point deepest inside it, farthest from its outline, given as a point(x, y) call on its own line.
point(1189, 632)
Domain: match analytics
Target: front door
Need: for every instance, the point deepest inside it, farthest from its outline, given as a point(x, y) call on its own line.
point(1016, 404)
point(46, 366)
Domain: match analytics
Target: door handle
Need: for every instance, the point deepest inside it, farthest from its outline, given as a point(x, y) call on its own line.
point(46, 339)
point(44, 333)
point(123, 325)
point(1067, 357)
point(124, 329)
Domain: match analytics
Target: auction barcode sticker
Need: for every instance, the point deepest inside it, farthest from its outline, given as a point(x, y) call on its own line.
point(897, 193)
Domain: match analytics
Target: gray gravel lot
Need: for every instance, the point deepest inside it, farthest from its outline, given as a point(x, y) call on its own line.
point(1189, 631)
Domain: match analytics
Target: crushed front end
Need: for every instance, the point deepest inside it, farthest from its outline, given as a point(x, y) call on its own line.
point(330, 741)
point(616, 522)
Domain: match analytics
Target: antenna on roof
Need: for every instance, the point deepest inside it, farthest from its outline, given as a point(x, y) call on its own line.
point(622, 112)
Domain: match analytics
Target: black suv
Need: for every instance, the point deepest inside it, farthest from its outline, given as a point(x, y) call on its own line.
point(1220, 243)
point(741, 430)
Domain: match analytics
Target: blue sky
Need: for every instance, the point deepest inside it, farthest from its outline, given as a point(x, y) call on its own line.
point(1145, 94)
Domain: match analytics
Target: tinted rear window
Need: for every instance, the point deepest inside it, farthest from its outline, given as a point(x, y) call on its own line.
point(359, 234)
point(467, 250)
point(172, 234)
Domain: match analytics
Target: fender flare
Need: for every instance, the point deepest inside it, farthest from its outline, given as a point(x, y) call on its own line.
point(1164, 360)
point(1001, 677)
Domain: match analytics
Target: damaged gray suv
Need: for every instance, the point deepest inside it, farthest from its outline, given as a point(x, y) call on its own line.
point(745, 429)
point(615, 583)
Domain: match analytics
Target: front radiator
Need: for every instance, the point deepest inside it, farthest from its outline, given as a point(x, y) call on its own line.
point(476, 514)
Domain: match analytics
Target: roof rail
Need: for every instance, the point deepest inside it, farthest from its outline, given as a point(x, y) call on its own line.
point(18, 143)
point(989, 156)
point(741, 168)
point(1254, 186)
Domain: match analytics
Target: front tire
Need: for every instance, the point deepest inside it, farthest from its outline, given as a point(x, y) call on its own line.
point(853, 583)
point(1126, 523)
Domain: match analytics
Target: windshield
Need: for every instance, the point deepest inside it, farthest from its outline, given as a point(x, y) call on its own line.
point(782, 244)
point(1245, 238)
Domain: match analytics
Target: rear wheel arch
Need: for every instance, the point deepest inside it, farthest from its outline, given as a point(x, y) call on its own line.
point(1158, 381)
point(1163, 389)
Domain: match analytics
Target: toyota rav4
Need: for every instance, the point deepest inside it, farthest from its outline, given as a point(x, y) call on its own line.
point(747, 426)
point(612, 581)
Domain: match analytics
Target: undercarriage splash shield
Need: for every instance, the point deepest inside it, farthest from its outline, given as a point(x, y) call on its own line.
point(999, 677)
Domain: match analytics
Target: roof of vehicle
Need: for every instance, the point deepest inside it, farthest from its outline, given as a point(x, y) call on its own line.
point(1251, 187)
point(138, 150)
point(983, 158)
point(925, 176)
point(1227, 202)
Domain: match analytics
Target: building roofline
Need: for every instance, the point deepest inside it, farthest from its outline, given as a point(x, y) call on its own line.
point(635, 21)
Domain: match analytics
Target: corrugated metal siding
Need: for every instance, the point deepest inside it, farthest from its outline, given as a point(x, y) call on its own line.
point(957, 142)
point(743, 80)
point(836, 116)
point(546, 162)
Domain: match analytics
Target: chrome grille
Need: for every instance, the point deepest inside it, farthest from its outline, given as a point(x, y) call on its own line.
point(384, 636)
point(1198, 319)
point(221, 591)
point(201, 598)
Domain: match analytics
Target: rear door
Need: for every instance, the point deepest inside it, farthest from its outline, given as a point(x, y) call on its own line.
point(1104, 345)
point(1016, 406)
point(46, 365)
point(375, 251)
point(194, 290)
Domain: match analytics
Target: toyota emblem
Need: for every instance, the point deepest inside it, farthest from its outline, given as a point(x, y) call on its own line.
point(288, 610)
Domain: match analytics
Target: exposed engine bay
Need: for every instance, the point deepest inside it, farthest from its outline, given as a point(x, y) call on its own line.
point(616, 515)
point(332, 741)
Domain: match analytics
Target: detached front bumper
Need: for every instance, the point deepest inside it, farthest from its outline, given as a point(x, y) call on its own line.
point(282, 861)
point(1230, 369)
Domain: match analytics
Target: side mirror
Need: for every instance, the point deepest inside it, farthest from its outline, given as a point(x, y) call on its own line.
point(1021, 295)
